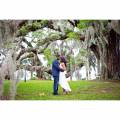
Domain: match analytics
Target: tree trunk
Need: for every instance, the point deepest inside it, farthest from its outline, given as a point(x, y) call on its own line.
point(113, 56)
point(39, 74)
point(25, 74)
point(98, 69)
point(1, 86)
point(12, 69)
point(87, 70)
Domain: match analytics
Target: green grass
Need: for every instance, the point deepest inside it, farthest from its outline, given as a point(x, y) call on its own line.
point(81, 90)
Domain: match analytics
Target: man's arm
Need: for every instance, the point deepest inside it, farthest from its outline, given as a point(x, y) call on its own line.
point(56, 64)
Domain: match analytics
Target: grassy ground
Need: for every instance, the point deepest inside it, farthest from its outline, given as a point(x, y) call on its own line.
point(81, 90)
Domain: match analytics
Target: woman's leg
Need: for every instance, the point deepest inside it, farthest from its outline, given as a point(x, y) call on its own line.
point(63, 89)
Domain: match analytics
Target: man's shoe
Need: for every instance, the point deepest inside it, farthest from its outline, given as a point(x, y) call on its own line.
point(55, 94)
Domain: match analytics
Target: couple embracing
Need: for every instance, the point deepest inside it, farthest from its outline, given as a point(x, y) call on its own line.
point(59, 75)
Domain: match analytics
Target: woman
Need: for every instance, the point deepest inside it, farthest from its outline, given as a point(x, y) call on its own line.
point(62, 77)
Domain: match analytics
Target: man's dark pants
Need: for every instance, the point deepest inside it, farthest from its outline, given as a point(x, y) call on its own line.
point(56, 82)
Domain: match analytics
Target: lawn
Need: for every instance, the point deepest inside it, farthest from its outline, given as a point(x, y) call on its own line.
point(81, 90)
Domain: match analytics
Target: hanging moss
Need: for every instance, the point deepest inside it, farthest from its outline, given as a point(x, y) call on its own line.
point(32, 27)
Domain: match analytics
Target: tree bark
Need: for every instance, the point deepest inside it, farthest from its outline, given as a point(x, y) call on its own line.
point(113, 55)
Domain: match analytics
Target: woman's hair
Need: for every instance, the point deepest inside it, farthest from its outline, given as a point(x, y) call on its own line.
point(62, 59)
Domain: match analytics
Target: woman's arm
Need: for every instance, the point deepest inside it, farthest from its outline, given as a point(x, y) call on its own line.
point(62, 66)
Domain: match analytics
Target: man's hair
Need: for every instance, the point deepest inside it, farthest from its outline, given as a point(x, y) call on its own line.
point(57, 56)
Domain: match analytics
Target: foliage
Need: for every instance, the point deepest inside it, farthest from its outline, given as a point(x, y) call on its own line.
point(105, 22)
point(23, 30)
point(34, 78)
point(26, 61)
point(38, 34)
point(80, 59)
point(32, 27)
point(48, 56)
point(92, 42)
point(9, 45)
point(83, 24)
point(73, 35)
point(71, 61)
point(44, 22)
point(83, 52)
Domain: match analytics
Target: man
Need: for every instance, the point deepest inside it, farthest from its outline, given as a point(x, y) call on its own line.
point(55, 73)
